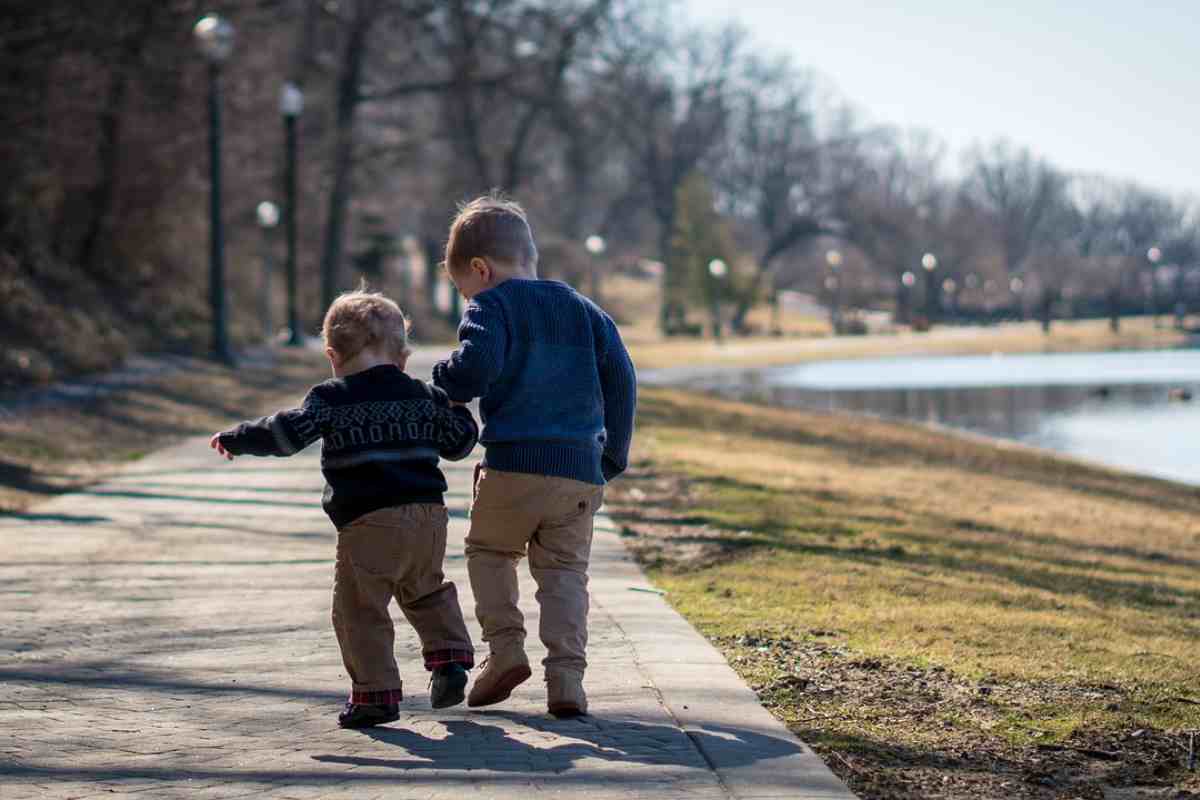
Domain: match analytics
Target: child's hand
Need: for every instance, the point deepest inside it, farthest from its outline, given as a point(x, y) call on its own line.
point(215, 444)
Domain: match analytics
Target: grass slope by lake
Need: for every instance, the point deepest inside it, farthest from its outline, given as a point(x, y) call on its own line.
point(652, 352)
point(939, 616)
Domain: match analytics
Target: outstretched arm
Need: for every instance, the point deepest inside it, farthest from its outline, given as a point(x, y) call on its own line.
point(477, 363)
point(280, 434)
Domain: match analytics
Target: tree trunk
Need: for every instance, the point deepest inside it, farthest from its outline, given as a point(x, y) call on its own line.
point(102, 196)
point(343, 150)
point(1181, 308)
point(433, 256)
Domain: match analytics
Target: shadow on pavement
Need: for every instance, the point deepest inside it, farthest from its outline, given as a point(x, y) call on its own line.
point(72, 519)
point(474, 745)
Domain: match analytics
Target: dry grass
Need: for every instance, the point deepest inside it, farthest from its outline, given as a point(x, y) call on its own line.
point(807, 338)
point(51, 448)
point(651, 352)
point(1003, 601)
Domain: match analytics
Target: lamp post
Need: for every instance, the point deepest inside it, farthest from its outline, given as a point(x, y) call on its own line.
point(949, 288)
point(929, 263)
point(1016, 285)
point(291, 103)
point(834, 259)
point(904, 300)
point(595, 245)
point(1153, 255)
point(718, 269)
point(267, 214)
point(214, 37)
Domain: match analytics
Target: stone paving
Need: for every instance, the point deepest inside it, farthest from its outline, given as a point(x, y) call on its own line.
point(166, 634)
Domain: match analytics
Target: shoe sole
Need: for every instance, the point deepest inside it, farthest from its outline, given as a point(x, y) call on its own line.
point(567, 711)
point(371, 723)
point(504, 687)
point(455, 693)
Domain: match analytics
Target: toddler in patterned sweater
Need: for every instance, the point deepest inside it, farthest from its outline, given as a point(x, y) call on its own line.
point(382, 434)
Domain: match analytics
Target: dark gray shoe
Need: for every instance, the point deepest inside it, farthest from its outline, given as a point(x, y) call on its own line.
point(447, 685)
point(360, 715)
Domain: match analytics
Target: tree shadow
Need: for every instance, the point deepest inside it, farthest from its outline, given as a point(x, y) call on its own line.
point(115, 675)
point(24, 478)
point(67, 519)
point(239, 501)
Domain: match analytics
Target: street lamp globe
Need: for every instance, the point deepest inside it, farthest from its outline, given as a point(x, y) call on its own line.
point(267, 214)
point(291, 100)
point(908, 279)
point(833, 258)
point(929, 262)
point(214, 36)
point(1154, 254)
point(1016, 285)
point(717, 268)
point(949, 286)
point(595, 244)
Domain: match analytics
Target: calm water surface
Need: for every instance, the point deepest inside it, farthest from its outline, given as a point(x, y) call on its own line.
point(1127, 409)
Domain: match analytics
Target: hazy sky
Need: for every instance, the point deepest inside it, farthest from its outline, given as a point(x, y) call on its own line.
point(1100, 86)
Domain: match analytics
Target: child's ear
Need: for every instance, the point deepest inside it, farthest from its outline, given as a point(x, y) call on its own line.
point(333, 356)
point(482, 268)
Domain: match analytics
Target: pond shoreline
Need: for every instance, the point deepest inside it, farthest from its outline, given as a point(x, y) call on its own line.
point(1129, 413)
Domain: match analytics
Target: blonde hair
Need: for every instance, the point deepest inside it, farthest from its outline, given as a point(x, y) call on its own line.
point(493, 227)
point(360, 319)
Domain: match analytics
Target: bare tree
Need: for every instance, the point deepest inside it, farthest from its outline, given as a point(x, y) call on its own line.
point(893, 210)
point(670, 105)
point(1020, 192)
point(777, 170)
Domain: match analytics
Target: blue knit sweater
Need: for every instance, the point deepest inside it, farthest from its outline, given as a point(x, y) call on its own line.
point(557, 387)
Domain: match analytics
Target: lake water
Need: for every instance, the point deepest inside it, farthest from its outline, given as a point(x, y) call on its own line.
point(1126, 409)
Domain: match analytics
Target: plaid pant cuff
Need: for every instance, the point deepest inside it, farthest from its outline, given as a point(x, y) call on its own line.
point(440, 658)
point(380, 698)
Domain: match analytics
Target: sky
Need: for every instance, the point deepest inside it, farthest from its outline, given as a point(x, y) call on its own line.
point(1100, 87)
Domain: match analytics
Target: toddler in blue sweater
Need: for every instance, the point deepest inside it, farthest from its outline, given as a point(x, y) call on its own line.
point(557, 394)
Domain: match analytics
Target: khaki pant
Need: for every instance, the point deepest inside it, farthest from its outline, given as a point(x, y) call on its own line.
point(552, 518)
point(394, 552)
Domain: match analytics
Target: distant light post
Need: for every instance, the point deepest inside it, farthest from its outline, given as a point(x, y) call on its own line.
point(595, 245)
point(949, 288)
point(904, 300)
point(267, 214)
point(1016, 285)
point(929, 263)
point(291, 103)
point(718, 269)
point(1153, 255)
point(215, 37)
point(834, 259)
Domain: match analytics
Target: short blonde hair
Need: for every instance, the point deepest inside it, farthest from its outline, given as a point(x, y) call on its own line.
point(360, 319)
point(491, 226)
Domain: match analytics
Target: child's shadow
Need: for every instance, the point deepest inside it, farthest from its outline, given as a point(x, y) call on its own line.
point(470, 745)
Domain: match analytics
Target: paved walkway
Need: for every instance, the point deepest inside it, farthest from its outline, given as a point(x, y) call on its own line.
point(166, 634)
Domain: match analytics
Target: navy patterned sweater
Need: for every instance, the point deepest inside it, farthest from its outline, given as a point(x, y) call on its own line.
point(556, 386)
point(382, 433)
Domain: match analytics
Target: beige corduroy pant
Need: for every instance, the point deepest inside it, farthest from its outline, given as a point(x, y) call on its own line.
point(549, 518)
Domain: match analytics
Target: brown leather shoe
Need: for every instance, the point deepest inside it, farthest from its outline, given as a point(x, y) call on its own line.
point(565, 696)
point(502, 672)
